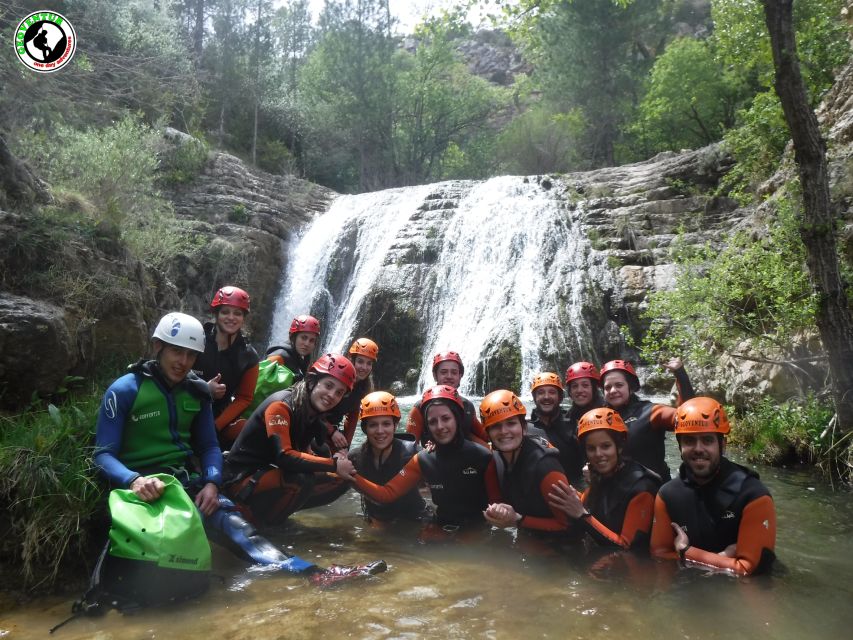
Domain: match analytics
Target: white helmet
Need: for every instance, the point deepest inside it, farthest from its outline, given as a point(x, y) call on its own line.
point(180, 330)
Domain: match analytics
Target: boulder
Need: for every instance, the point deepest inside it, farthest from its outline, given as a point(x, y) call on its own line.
point(36, 348)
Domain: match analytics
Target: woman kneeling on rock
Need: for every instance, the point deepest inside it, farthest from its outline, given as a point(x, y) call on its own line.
point(276, 467)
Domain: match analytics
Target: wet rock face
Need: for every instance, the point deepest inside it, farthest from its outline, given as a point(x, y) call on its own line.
point(240, 216)
point(36, 348)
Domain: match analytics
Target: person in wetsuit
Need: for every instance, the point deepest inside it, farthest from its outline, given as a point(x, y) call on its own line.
point(646, 421)
point(447, 369)
point(714, 512)
point(229, 363)
point(303, 335)
point(158, 419)
point(382, 456)
point(525, 472)
point(454, 470)
point(618, 506)
point(280, 462)
point(555, 424)
point(363, 353)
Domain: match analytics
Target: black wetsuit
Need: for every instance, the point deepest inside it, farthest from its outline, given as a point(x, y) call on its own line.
point(520, 485)
point(231, 363)
point(455, 475)
point(292, 360)
point(608, 498)
point(562, 432)
point(411, 505)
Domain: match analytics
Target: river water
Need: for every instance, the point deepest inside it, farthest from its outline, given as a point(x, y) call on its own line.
point(494, 584)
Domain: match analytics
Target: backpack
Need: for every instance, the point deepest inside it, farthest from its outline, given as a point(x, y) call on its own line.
point(272, 377)
point(157, 553)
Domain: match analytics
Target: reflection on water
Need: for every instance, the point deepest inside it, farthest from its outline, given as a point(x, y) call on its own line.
point(494, 584)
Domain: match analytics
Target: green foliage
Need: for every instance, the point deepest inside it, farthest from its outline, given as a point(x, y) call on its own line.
point(591, 56)
point(690, 99)
point(794, 432)
point(238, 214)
point(48, 484)
point(742, 45)
point(542, 141)
point(113, 171)
point(757, 143)
point(184, 161)
point(752, 291)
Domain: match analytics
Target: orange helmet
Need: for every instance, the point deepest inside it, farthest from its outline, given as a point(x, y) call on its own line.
point(547, 379)
point(365, 347)
point(701, 415)
point(445, 356)
point(500, 405)
point(304, 324)
point(602, 418)
point(335, 365)
point(621, 365)
point(582, 370)
point(231, 296)
point(379, 403)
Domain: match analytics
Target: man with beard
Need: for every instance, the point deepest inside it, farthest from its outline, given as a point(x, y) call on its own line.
point(714, 512)
point(556, 424)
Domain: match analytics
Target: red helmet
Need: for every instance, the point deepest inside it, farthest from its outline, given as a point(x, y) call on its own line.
point(546, 379)
point(446, 356)
point(335, 365)
point(440, 391)
point(304, 324)
point(500, 405)
point(620, 365)
point(582, 370)
point(379, 403)
point(701, 415)
point(602, 418)
point(231, 296)
point(365, 347)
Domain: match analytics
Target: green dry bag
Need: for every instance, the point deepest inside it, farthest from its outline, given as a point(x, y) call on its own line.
point(168, 531)
point(157, 553)
point(272, 377)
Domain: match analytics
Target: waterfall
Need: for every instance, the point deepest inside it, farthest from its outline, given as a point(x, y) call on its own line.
point(484, 265)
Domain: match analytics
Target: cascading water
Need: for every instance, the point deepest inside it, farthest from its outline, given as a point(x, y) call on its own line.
point(494, 267)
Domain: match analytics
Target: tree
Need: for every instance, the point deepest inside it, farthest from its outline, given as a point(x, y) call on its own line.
point(347, 86)
point(691, 99)
point(591, 56)
point(439, 102)
point(818, 224)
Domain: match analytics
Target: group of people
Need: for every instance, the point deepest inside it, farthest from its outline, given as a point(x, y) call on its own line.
point(595, 469)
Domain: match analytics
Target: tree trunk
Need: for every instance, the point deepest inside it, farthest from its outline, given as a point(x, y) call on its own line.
point(198, 33)
point(818, 225)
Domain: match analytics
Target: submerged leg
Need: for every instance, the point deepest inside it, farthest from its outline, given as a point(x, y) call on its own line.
point(231, 529)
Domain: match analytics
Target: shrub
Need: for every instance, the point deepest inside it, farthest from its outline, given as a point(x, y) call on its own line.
point(48, 482)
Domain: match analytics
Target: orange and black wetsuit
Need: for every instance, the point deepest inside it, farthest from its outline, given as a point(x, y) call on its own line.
point(562, 432)
point(272, 470)
point(526, 485)
point(409, 506)
point(733, 508)
point(290, 358)
point(238, 366)
point(647, 425)
point(471, 427)
point(348, 409)
point(455, 474)
point(621, 507)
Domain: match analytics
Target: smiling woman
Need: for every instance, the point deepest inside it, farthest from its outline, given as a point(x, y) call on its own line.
point(275, 466)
